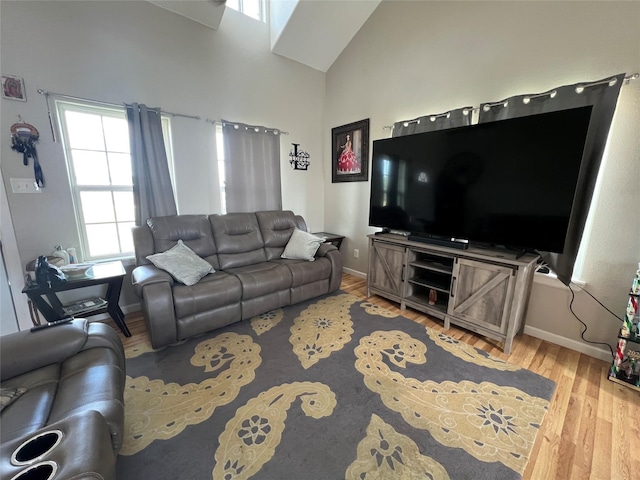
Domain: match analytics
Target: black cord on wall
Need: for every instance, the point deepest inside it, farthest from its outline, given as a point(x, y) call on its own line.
point(573, 296)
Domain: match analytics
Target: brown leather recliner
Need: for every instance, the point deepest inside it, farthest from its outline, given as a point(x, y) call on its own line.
point(67, 417)
point(250, 277)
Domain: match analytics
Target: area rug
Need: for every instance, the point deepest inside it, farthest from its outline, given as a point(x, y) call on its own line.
point(331, 388)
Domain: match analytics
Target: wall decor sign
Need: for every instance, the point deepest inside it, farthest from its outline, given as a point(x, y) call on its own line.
point(13, 88)
point(350, 152)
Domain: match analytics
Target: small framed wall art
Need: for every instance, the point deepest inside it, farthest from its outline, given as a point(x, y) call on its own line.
point(13, 88)
point(350, 152)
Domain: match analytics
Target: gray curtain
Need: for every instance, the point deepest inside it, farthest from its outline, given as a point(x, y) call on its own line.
point(252, 167)
point(152, 190)
point(428, 123)
point(602, 95)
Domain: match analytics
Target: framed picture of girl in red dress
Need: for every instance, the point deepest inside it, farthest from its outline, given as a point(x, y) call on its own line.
point(350, 152)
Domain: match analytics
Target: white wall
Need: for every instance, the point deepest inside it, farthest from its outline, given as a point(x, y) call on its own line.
point(416, 58)
point(8, 320)
point(137, 52)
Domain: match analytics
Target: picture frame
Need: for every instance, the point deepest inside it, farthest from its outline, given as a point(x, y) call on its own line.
point(350, 152)
point(13, 88)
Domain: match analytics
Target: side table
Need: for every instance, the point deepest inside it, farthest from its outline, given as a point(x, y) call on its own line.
point(331, 238)
point(109, 273)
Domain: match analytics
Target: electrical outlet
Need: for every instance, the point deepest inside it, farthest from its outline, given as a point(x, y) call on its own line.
point(356, 253)
point(24, 185)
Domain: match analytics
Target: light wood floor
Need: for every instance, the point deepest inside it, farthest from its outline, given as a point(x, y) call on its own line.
point(592, 429)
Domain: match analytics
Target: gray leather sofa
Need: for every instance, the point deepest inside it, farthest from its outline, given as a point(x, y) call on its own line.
point(250, 277)
point(67, 420)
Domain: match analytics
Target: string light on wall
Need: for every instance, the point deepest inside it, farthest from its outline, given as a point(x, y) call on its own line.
point(299, 158)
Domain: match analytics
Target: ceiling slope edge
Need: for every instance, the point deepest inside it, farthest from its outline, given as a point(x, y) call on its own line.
point(205, 12)
point(316, 32)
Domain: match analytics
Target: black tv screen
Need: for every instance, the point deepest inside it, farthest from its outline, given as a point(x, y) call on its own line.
point(508, 183)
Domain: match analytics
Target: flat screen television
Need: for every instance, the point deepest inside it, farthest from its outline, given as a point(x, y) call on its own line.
point(509, 183)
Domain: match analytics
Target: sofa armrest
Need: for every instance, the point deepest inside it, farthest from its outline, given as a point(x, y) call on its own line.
point(84, 453)
point(333, 255)
point(148, 275)
point(25, 351)
point(324, 249)
point(101, 335)
point(155, 287)
point(157, 304)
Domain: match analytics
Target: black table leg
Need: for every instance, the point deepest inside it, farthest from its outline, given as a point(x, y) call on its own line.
point(113, 296)
point(41, 304)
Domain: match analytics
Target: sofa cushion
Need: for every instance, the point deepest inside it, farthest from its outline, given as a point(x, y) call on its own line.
point(52, 344)
point(302, 246)
point(182, 263)
point(238, 239)
point(213, 291)
point(31, 411)
point(262, 278)
point(304, 272)
point(193, 230)
point(276, 227)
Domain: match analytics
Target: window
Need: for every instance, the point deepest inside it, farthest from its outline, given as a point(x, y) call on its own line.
point(96, 145)
point(221, 172)
point(251, 8)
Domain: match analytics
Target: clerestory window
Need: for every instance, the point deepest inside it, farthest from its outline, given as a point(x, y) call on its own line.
point(251, 8)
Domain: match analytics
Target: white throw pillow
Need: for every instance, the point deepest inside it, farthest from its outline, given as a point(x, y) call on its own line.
point(182, 263)
point(302, 246)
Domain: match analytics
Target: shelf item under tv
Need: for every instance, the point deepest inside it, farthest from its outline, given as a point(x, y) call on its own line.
point(485, 291)
point(625, 368)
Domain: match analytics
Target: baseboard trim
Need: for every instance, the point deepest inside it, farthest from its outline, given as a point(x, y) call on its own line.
point(355, 273)
point(592, 351)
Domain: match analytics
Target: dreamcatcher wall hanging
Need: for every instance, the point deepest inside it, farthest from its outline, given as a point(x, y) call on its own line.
point(23, 140)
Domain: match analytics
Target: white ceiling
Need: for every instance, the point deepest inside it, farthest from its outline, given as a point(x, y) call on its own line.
point(312, 32)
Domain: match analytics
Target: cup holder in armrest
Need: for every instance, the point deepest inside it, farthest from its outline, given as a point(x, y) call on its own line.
point(39, 471)
point(33, 449)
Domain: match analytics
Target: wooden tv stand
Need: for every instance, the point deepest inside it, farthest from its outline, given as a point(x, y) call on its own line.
point(485, 291)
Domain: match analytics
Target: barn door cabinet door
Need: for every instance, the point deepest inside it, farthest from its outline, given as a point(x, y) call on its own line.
point(481, 294)
point(386, 269)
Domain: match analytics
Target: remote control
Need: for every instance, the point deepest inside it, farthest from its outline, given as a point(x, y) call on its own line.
point(62, 321)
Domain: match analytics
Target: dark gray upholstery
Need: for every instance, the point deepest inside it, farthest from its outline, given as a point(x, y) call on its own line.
point(74, 376)
point(238, 238)
point(250, 276)
point(276, 228)
point(193, 230)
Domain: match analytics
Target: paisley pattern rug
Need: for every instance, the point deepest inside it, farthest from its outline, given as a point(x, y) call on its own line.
point(328, 389)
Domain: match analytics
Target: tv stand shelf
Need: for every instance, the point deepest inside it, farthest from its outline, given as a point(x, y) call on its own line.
point(485, 291)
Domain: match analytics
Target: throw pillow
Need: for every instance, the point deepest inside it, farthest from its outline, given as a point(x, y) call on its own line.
point(182, 263)
point(9, 395)
point(302, 246)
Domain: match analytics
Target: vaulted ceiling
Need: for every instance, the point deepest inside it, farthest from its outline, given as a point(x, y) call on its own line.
point(312, 32)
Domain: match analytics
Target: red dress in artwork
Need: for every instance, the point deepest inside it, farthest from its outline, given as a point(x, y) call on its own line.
point(348, 161)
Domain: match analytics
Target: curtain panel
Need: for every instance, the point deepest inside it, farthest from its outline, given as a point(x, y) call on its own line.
point(602, 96)
point(152, 189)
point(252, 168)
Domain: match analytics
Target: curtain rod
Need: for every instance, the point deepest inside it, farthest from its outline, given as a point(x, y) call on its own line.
point(252, 127)
point(46, 94)
point(551, 93)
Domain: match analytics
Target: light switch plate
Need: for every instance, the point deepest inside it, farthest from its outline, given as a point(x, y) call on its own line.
point(24, 185)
